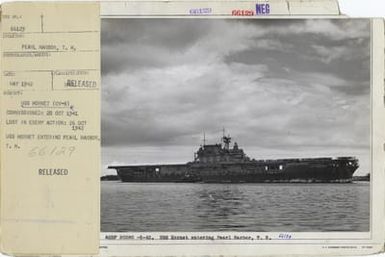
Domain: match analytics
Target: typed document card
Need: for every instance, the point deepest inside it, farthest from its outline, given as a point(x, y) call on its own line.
point(50, 132)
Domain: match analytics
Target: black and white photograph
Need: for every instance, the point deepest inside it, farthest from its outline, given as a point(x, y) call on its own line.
point(246, 125)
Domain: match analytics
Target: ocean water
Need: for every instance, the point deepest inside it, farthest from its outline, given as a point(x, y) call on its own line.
point(234, 207)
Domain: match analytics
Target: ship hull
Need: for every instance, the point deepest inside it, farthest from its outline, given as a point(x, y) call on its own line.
point(320, 170)
point(292, 173)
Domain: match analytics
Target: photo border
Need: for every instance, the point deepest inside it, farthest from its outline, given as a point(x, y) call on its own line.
point(370, 242)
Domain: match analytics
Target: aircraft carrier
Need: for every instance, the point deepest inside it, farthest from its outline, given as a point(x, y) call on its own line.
point(220, 163)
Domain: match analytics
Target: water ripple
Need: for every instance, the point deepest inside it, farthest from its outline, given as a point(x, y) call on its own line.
point(234, 207)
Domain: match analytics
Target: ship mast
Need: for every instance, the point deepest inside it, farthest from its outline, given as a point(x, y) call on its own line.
point(226, 140)
point(204, 138)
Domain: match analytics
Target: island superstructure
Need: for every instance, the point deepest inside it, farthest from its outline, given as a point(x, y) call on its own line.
point(220, 163)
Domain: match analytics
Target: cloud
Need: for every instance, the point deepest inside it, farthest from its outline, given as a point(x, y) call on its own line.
point(285, 86)
point(137, 44)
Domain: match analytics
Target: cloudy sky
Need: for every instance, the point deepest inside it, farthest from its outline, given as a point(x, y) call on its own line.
point(281, 88)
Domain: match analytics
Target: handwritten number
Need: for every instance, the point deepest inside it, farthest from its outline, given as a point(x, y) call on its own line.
point(55, 151)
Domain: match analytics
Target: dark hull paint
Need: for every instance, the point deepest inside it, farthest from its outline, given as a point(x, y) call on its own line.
point(287, 171)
